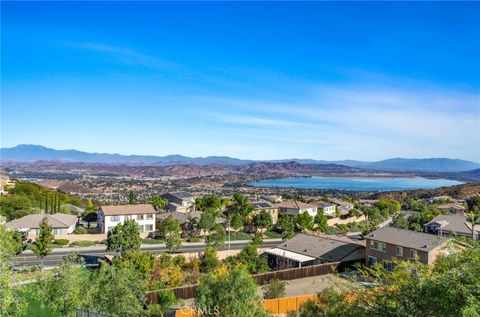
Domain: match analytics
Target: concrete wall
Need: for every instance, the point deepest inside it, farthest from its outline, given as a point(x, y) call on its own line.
point(335, 221)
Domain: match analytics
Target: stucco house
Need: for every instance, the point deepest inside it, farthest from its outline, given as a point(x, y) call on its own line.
point(265, 206)
point(295, 207)
point(110, 216)
point(180, 202)
point(387, 243)
point(328, 209)
point(29, 225)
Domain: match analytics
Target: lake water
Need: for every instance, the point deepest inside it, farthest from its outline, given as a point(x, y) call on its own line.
point(358, 183)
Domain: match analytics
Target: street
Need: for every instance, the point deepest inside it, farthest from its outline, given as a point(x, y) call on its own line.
point(27, 258)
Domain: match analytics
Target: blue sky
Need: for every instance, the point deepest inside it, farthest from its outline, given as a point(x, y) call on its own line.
point(267, 80)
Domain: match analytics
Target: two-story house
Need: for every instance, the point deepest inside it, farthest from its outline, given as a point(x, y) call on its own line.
point(453, 225)
point(328, 209)
point(265, 206)
point(180, 202)
point(110, 216)
point(454, 209)
point(295, 207)
point(387, 243)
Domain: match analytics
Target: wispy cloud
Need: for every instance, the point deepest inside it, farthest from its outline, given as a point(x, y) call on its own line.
point(128, 55)
point(377, 121)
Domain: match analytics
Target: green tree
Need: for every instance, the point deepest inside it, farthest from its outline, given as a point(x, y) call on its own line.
point(286, 226)
point(10, 302)
point(117, 290)
point(42, 245)
point(263, 220)
point(241, 206)
point(206, 221)
point(400, 222)
point(217, 237)
point(231, 294)
point(236, 221)
point(390, 205)
point(171, 230)
point(321, 221)
point(305, 221)
point(64, 291)
point(209, 260)
point(124, 237)
point(209, 203)
point(449, 287)
point(132, 197)
point(166, 300)
point(275, 289)
point(159, 202)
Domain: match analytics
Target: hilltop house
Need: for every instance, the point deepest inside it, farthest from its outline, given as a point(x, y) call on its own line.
point(454, 209)
point(451, 225)
point(180, 202)
point(266, 206)
point(110, 216)
point(30, 225)
point(328, 209)
point(343, 206)
point(387, 243)
point(304, 250)
point(295, 207)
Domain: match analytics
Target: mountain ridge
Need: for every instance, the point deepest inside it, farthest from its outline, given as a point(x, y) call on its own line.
point(32, 153)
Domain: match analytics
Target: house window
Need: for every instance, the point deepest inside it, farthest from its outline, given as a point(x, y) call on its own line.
point(388, 265)
point(57, 231)
point(398, 251)
point(150, 217)
point(139, 217)
point(128, 217)
point(148, 227)
point(379, 246)
point(372, 260)
point(413, 254)
point(115, 218)
point(140, 228)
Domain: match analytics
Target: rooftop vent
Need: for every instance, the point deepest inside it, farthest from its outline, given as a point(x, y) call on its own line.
point(425, 246)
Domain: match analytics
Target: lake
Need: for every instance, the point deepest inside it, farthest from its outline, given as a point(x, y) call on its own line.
point(358, 183)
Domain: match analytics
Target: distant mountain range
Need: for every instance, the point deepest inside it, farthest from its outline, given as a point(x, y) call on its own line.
point(31, 153)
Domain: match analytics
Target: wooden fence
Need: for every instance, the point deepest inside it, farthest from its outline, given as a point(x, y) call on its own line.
point(189, 291)
point(275, 306)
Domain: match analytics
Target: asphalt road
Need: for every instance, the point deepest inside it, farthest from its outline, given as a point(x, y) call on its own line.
point(28, 258)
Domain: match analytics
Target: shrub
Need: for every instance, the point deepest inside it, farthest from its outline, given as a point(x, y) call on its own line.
point(83, 243)
point(193, 239)
point(80, 230)
point(61, 241)
point(275, 289)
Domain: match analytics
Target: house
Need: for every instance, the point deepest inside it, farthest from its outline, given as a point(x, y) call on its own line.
point(368, 202)
point(343, 206)
point(295, 207)
point(451, 225)
point(388, 243)
point(328, 209)
point(61, 224)
point(304, 250)
point(180, 201)
point(110, 216)
point(266, 206)
point(184, 218)
point(454, 209)
point(274, 199)
point(5, 185)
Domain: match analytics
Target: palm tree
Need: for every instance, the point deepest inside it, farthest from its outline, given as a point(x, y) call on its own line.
point(241, 205)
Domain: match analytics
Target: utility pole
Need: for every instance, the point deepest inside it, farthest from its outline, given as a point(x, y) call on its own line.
point(229, 233)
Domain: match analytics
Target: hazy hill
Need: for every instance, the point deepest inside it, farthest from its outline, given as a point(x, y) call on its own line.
point(31, 153)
